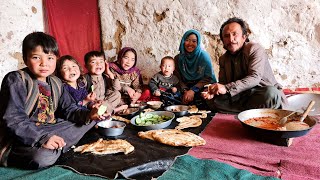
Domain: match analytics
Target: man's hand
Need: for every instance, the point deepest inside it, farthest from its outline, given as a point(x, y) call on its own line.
point(205, 94)
point(54, 142)
point(214, 89)
point(217, 89)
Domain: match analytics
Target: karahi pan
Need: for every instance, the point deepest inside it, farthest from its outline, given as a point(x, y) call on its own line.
point(276, 113)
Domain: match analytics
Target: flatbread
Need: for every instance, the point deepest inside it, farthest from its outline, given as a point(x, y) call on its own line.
point(204, 111)
point(188, 121)
point(147, 134)
point(103, 147)
point(193, 109)
point(119, 118)
point(173, 137)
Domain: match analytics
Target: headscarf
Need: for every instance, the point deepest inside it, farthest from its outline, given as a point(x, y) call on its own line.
point(117, 65)
point(190, 63)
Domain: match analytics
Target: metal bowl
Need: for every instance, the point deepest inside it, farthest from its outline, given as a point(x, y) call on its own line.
point(140, 105)
point(129, 111)
point(178, 110)
point(154, 126)
point(155, 104)
point(111, 128)
point(299, 102)
point(276, 113)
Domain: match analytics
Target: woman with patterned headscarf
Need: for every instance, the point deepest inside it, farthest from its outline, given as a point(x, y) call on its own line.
point(193, 67)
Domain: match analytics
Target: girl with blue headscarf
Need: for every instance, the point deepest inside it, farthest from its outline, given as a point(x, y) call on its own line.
point(193, 67)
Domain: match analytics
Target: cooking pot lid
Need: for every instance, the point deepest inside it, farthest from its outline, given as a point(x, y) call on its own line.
point(299, 102)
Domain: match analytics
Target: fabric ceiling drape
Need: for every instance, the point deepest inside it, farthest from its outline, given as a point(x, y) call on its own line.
point(76, 26)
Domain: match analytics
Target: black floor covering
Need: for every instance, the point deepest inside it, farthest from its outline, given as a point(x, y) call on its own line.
point(149, 159)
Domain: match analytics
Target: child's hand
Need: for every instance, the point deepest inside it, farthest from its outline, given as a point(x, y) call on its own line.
point(157, 93)
point(54, 142)
point(94, 113)
point(107, 71)
point(90, 98)
point(131, 92)
point(174, 89)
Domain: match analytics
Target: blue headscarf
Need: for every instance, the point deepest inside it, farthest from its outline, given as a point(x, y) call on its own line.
point(194, 66)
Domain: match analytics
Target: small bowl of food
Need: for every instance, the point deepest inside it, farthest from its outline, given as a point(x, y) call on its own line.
point(153, 120)
point(140, 105)
point(178, 110)
point(111, 128)
point(131, 111)
point(155, 104)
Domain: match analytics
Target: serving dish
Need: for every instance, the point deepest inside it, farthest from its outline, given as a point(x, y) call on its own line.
point(111, 128)
point(155, 104)
point(140, 105)
point(131, 111)
point(299, 102)
point(178, 110)
point(170, 116)
point(273, 134)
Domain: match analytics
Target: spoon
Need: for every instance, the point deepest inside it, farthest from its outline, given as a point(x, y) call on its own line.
point(306, 112)
point(284, 119)
point(300, 125)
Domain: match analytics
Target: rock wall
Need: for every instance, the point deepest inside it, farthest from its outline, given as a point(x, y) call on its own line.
point(17, 19)
point(289, 30)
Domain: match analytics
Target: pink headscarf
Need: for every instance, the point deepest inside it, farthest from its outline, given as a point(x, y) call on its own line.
point(117, 65)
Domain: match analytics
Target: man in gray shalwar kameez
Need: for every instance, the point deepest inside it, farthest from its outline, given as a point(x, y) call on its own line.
point(246, 80)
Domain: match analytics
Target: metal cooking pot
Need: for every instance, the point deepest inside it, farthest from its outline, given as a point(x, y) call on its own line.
point(276, 113)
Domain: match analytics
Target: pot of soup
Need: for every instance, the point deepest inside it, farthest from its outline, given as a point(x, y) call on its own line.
point(265, 123)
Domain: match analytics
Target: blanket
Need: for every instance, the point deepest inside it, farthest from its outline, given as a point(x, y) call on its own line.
point(229, 142)
point(188, 167)
point(49, 173)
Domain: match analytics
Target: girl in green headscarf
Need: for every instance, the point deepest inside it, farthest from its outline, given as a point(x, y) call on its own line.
point(193, 67)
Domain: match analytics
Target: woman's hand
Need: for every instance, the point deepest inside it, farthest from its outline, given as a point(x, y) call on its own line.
point(54, 142)
point(188, 97)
